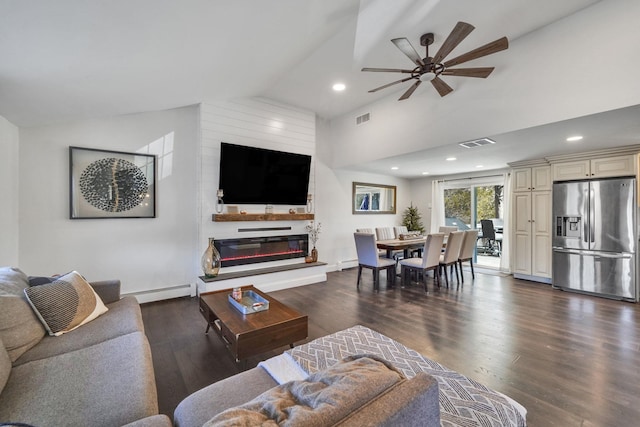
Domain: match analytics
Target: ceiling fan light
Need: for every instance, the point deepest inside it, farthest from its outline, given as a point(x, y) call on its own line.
point(427, 77)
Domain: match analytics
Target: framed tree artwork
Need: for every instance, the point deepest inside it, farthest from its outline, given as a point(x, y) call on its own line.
point(111, 184)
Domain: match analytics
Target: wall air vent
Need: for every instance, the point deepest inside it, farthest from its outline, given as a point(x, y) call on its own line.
point(477, 143)
point(363, 118)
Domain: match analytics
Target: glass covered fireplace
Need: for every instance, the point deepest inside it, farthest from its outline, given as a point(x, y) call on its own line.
point(262, 249)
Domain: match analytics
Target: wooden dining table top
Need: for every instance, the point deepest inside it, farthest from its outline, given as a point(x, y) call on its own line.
point(397, 244)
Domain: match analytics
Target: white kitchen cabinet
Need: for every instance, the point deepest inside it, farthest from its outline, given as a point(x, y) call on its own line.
point(532, 235)
point(534, 178)
point(595, 168)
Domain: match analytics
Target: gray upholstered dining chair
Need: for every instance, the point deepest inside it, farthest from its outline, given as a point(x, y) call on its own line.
point(446, 229)
point(400, 229)
point(371, 231)
point(387, 233)
point(368, 258)
point(430, 261)
point(467, 250)
point(451, 254)
point(365, 230)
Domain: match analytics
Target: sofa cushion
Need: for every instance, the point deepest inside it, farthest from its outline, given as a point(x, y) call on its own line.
point(20, 329)
point(325, 398)
point(5, 366)
point(65, 304)
point(108, 384)
point(201, 406)
point(123, 318)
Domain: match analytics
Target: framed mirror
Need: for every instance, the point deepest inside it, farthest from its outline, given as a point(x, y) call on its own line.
point(373, 198)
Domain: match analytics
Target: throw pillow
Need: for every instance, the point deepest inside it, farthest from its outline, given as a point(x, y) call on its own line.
point(65, 304)
point(19, 327)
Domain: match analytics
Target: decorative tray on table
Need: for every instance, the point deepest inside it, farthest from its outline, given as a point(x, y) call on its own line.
point(250, 303)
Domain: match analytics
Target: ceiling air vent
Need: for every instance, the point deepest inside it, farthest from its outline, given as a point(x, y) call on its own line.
point(363, 118)
point(477, 143)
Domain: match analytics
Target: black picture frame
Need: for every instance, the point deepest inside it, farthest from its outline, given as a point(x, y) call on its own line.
point(111, 184)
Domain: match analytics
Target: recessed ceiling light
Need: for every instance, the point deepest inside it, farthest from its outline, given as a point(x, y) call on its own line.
point(479, 166)
point(338, 87)
point(574, 138)
point(394, 168)
point(450, 159)
point(425, 173)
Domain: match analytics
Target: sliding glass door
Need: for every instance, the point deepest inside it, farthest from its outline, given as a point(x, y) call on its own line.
point(468, 206)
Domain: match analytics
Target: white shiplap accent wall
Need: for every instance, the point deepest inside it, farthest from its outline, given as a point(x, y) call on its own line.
point(255, 122)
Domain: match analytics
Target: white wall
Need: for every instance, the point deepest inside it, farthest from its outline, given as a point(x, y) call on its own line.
point(253, 122)
point(567, 83)
point(334, 194)
point(9, 225)
point(146, 254)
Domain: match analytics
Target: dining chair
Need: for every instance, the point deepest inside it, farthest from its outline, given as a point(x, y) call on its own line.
point(467, 251)
point(493, 239)
point(451, 255)
point(365, 230)
point(400, 229)
point(429, 261)
point(446, 229)
point(387, 233)
point(368, 258)
point(371, 231)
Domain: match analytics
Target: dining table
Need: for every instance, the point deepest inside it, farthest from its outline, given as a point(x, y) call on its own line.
point(404, 245)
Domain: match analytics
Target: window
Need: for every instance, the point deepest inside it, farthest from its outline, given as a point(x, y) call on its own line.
point(465, 205)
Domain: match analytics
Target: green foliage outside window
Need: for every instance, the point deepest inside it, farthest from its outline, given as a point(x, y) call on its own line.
point(457, 203)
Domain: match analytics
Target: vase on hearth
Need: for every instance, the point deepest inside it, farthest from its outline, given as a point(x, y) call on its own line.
point(314, 255)
point(210, 260)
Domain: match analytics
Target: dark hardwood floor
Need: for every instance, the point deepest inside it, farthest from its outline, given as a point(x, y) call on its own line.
point(570, 359)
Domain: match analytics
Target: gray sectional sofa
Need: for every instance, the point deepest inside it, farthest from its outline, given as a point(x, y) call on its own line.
point(100, 374)
point(409, 402)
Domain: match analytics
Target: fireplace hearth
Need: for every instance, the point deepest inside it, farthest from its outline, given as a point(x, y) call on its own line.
point(252, 250)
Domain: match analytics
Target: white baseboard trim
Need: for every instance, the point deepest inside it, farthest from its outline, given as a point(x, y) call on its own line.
point(546, 280)
point(164, 293)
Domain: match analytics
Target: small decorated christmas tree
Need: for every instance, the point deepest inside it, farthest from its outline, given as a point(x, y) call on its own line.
point(411, 219)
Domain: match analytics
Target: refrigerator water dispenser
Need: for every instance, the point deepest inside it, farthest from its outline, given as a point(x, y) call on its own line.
point(568, 226)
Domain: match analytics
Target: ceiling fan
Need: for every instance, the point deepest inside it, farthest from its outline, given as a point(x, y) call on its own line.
point(431, 68)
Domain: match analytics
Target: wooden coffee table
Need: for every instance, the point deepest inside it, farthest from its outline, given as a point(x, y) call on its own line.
point(247, 335)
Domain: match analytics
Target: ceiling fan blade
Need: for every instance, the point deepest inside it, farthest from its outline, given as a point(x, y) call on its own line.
point(442, 88)
point(406, 48)
point(390, 84)
point(487, 49)
point(482, 72)
point(410, 91)
point(388, 70)
point(459, 33)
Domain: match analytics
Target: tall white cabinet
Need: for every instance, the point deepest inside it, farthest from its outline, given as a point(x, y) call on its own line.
point(531, 223)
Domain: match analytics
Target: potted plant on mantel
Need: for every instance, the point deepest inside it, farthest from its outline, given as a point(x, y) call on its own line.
point(313, 228)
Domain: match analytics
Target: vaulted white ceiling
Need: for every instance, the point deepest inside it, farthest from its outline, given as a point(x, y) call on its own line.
point(72, 59)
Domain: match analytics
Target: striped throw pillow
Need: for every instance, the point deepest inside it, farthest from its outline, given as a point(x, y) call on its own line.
point(65, 304)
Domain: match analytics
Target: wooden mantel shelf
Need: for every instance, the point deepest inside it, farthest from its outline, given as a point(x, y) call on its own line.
point(262, 217)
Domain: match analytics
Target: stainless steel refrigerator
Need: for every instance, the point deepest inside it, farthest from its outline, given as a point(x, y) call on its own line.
point(595, 238)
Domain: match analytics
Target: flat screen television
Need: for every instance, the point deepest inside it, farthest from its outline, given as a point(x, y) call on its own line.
point(250, 175)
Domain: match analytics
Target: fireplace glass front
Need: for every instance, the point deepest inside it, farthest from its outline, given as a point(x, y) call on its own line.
point(262, 249)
